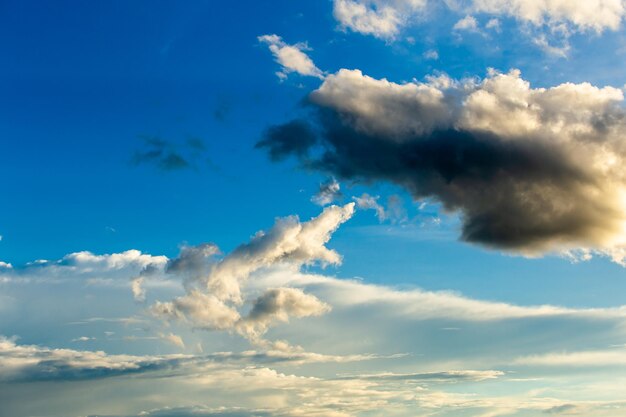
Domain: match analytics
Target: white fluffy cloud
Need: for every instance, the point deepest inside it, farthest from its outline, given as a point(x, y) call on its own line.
point(205, 311)
point(213, 303)
point(291, 58)
point(381, 18)
point(86, 267)
point(468, 23)
point(385, 18)
point(596, 15)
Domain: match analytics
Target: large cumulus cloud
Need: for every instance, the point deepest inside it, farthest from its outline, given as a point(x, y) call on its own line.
point(531, 170)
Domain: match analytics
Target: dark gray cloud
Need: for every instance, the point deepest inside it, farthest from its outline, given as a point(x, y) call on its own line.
point(193, 261)
point(169, 156)
point(292, 138)
point(528, 170)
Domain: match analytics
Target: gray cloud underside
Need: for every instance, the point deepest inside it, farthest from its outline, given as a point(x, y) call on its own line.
point(30, 363)
point(199, 412)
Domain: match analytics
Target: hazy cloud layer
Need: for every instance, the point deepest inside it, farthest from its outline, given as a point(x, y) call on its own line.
point(32, 363)
point(418, 304)
point(531, 170)
point(430, 347)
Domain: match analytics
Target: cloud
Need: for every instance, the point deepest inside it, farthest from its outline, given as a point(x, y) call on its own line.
point(394, 212)
point(169, 156)
point(292, 138)
point(199, 411)
point(173, 339)
point(291, 58)
point(380, 18)
point(582, 15)
point(32, 363)
point(386, 18)
point(193, 262)
point(431, 54)
point(278, 305)
point(85, 267)
point(329, 192)
point(494, 24)
point(468, 23)
point(530, 170)
point(550, 48)
point(83, 339)
point(213, 301)
point(204, 311)
point(288, 241)
point(24, 363)
point(562, 409)
point(158, 152)
point(447, 376)
point(368, 202)
point(606, 357)
point(139, 292)
point(418, 304)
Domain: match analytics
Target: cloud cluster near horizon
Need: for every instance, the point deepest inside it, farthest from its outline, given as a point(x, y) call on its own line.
point(262, 284)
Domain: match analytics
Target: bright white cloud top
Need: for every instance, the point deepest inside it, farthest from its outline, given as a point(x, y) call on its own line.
point(385, 18)
point(549, 25)
point(291, 58)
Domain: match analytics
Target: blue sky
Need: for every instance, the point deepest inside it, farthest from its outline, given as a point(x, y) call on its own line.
point(455, 170)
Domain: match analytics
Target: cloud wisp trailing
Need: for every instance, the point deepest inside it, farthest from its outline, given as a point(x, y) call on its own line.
point(328, 192)
point(530, 170)
point(291, 58)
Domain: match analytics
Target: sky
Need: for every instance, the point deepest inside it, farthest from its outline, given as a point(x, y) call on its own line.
point(313, 208)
